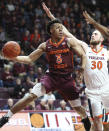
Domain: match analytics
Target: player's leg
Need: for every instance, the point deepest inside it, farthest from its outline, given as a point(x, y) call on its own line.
point(98, 124)
point(70, 93)
point(37, 91)
point(76, 104)
point(105, 101)
point(95, 108)
point(105, 120)
point(106, 127)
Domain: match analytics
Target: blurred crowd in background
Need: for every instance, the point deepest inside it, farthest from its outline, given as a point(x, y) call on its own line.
point(25, 21)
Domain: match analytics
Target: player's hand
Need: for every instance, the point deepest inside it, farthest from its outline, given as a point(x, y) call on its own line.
point(88, 18)
point(8, 58)
point(81, 74)
point(48, 12)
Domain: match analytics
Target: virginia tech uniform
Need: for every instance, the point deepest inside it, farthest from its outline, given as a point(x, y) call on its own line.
point(60, 59)
point(97, 80)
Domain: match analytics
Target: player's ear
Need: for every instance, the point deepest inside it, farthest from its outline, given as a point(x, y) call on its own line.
point(102, 38)
point(51, 30)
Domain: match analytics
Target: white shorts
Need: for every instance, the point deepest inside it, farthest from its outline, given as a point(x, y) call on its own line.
point(98, 98)
point(38, 90)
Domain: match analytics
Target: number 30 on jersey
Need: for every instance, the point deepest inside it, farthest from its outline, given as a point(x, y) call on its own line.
point(96, 65)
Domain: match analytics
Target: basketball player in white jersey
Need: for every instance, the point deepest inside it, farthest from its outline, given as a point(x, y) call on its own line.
point(95, 74)
point(105, 31)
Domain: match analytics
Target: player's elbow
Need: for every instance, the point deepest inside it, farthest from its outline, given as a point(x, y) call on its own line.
point(107, 33)
point(29, 60)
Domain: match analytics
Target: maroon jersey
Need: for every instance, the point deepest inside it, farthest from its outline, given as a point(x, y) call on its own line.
point(60, 57)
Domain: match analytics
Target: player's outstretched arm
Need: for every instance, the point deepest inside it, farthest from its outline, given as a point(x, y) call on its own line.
point(75, 45)
point(52, 17)
point(65, 31)
point(33, 56)
point(104, 30)
point(48, 12)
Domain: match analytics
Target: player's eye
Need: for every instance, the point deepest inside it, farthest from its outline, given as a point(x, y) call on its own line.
point(57, 27)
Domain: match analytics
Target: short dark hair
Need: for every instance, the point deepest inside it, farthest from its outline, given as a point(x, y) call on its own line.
point(50, 23)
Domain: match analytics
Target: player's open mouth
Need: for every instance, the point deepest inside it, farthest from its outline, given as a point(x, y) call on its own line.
point(61, 33)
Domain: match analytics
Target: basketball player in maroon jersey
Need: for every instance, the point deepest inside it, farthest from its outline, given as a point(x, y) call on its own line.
point(60, 59)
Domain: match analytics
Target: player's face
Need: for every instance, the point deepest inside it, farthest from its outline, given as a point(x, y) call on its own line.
point(57, 30)
point(96, 38)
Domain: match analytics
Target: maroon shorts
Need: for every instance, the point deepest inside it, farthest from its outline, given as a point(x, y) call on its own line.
point(63, 84)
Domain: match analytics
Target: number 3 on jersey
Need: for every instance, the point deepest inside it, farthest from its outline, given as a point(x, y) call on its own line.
point(58, 59)
point(97, 65)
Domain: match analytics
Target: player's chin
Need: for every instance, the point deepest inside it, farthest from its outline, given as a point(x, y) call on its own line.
point(93, 42)
point(60, 35)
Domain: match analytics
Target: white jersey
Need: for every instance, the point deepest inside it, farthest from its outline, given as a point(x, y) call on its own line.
point(96, 71)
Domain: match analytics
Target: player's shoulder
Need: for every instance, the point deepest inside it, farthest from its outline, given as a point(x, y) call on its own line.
point(105, 47)
point(42, 46)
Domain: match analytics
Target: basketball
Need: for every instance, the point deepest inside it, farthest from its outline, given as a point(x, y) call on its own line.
point(11, 49)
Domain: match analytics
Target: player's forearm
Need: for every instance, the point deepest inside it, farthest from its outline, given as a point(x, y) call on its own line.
point(104, 30)
point(52, 17)
point(83, 61)
point(67, 33)
point(23, 59)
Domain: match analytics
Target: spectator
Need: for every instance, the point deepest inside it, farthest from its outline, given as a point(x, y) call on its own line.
point(15, 28)
point(26, 42)
point(19, 69)
point(7, 77)
point(18, 89)
point(2, 34)
point(27, 84)
point(39, 73)
point(42, 105)
point(31, 73)
point(10, 6)
point(49, 96)
point(34, 40)
point(1, 83)
point(31, 106)
point(9, 104)
point(63, 106)
point(31, 66)
point(38, 11)
point(50, 104)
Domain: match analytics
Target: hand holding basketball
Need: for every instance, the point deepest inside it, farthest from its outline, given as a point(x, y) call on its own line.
point(11, 49)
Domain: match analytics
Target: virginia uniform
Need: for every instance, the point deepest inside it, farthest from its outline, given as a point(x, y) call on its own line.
point(97, 80)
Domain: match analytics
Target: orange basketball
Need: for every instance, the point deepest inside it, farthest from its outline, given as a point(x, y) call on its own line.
point(11, 49)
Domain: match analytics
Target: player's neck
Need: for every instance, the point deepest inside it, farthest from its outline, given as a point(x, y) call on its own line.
point(55, 40)
point(96, 47)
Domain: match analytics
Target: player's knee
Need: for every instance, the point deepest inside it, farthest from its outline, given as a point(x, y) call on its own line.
point(97, 118)
point(30, 96)
point(77, 108)
point(75, 103)
point(38, 90)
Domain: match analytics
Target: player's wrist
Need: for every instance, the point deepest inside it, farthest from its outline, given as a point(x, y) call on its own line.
point(93, 22)
point(52, 17)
